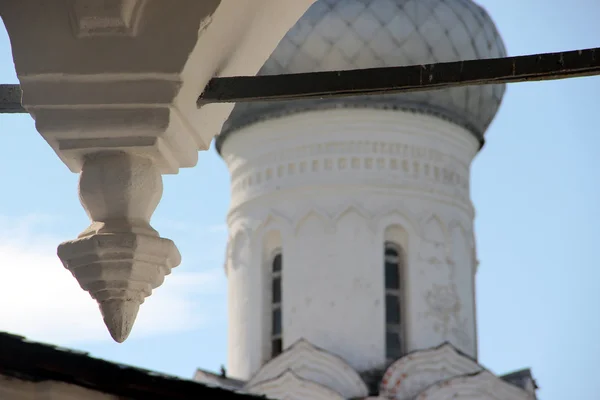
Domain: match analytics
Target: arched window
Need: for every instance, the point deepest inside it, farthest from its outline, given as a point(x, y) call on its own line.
point(276, 312)
point(394, 341)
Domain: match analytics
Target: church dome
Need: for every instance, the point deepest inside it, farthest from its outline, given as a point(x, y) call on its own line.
point(356, 34)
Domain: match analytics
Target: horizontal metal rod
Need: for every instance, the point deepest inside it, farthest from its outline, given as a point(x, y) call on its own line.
point(378, 81)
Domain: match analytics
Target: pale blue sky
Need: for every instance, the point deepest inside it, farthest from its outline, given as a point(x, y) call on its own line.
point(535, 186)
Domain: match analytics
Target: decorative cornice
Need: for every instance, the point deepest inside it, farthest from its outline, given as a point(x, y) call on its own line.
point(378, 164)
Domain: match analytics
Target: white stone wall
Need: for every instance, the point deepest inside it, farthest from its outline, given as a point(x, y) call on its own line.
point(325, 187)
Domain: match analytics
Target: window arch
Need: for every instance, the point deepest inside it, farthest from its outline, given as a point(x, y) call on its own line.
point(276, 309)
point(393, 270)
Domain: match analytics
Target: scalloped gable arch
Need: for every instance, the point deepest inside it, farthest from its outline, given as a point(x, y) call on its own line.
point(274, 220)
point(256, 230)
point(483, 385)
point(305, 215)
point(381, 220)
point(466, 231)
point(395, 216)
point(434, 228)
point(289, 386)
point(313, 364)
point(410, 375)
point(357, 210)
point(456, 227)
point(456, 224)
point(351, 207)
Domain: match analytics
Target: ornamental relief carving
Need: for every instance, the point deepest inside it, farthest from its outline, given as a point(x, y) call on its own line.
point(433, 249)
point(378, 163)
point(444, 258)
point(353, 148)
point(446, 308)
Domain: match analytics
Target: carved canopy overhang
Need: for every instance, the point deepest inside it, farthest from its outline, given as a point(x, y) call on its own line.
point(112, 86)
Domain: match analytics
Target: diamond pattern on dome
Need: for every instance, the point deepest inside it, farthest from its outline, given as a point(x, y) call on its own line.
point(352, 34)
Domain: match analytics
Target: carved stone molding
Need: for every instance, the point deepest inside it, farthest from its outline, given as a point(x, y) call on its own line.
point(242, 229)
point(106, 18)
point(352, 148)
point(376, 163)
point(288, 225)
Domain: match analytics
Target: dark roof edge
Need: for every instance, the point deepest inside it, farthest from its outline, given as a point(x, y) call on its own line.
point(224, 380)
point(37, 362)
point(518, 375)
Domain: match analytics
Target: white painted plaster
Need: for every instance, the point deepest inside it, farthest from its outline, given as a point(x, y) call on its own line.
point(482, 386)
point(331, 183)
point(314, 365)
point(409, 376)
point(289, 386)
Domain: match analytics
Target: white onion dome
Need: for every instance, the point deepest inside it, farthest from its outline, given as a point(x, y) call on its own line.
point(352, 34)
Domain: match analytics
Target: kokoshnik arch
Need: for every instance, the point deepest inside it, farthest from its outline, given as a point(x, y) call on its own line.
point(113, 87)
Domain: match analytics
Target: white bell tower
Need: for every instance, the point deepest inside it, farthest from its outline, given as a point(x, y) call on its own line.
point(351, 225)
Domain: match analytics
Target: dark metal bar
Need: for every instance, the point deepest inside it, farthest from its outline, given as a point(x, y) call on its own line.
point(10, 99)
point(374, 81)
